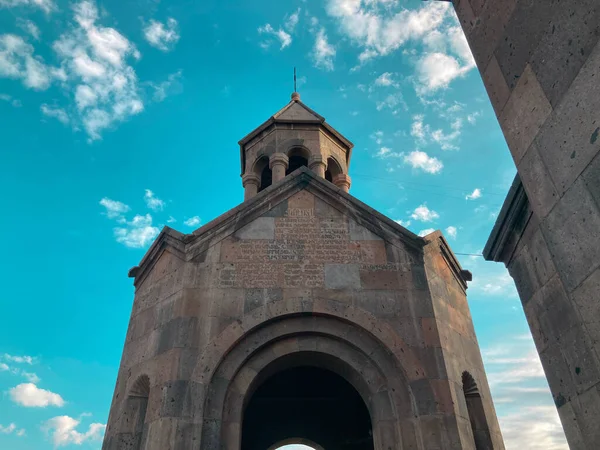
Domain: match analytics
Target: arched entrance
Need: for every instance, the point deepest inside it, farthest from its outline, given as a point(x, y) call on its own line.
point(308, 402)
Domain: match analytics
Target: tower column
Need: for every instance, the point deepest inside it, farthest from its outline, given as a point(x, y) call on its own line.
point(251, 182)
point(342, 181)
point(318, 165)
point(278, 163)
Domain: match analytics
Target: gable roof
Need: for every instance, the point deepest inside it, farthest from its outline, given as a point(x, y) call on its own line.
point(189, 246)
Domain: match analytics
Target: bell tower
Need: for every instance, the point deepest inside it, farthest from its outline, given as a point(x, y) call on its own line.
point(294, 137)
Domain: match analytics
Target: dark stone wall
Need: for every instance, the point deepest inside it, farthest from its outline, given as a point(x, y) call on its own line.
point(540, 63)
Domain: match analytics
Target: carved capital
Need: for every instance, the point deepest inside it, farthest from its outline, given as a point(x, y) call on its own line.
point(279, 158)
point(342, 181)
point(250, 178)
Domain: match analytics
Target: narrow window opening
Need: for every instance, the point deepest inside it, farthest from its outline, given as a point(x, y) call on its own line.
point(261, 168)
point(136, 407)
point(476, 413)
point(333, 169)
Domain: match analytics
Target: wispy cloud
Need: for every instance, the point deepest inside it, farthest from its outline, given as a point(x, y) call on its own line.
point(192, 221)
point(285, 39)
point(323, 52)
point(474, 195)
point(29, 27)
point(451, 231)
point(63, 431)
point(114, 208)
point(172, 85)
point(24, 359)
point(56, 113)
point(13, 101)
point(12, 428)
point(386, 79)
point(163, 36)
point(153, 202)
point(45, 5)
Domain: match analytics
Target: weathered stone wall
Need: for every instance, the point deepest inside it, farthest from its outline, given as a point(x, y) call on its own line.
point(453, 332)
point(289, 272)
point(540, 62)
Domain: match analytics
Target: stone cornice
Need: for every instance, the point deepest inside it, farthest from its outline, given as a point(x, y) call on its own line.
point(461, 275)
point(509, 221)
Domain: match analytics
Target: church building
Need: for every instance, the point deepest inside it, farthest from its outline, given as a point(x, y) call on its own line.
point(300, 316)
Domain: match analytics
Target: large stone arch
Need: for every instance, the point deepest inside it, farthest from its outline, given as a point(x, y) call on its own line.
point(328, 342)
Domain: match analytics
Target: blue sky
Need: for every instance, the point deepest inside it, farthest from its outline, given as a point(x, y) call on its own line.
point(117, 118)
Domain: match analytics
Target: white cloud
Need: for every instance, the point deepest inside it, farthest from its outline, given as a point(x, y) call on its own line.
point(192, 221)
point(63, 430)
point(114, 208)
point(162, 36)
point(291, 21)
point(451, 231)
point(425, 232)
point(385, 79)
point(419, 130)
point(404, 223)
point(172, 85)
point(424, 214)
point(460, 46)
point(28, 394)
point(56, 113)
point(93, 58)
point(421, 160)
point(436, 70)
point(10, 428)
point(20, 359)
point(386, 152)
point(392, 101)
point(138, 233)
point(31, 377)
point(377, 136)
point(18, 62)
point(29, 27)
point(4, 367)
point(323, 53)
point(153, 202)
point(447, 140)
point(383, 31)
point(533, 428)
point(472, 118)
point(45, 5)
point(474, 195)
point(171, 219)
point(13, 101)
point(285, 39)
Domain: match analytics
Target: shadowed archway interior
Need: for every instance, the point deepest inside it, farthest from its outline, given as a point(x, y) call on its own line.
point(310, 403)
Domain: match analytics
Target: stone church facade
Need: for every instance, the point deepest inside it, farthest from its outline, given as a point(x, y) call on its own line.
point(302, 315)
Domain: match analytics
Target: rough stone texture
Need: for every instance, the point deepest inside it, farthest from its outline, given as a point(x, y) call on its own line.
point(300, 274)
point(540, 62)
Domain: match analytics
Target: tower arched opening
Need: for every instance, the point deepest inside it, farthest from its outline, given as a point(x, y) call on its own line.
point(476, 412)
point(262, 169)
point(333, 169)
point(298, 158)
point(309, 404)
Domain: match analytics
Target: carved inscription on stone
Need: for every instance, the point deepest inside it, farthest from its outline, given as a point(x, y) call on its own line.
point(300, 212)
